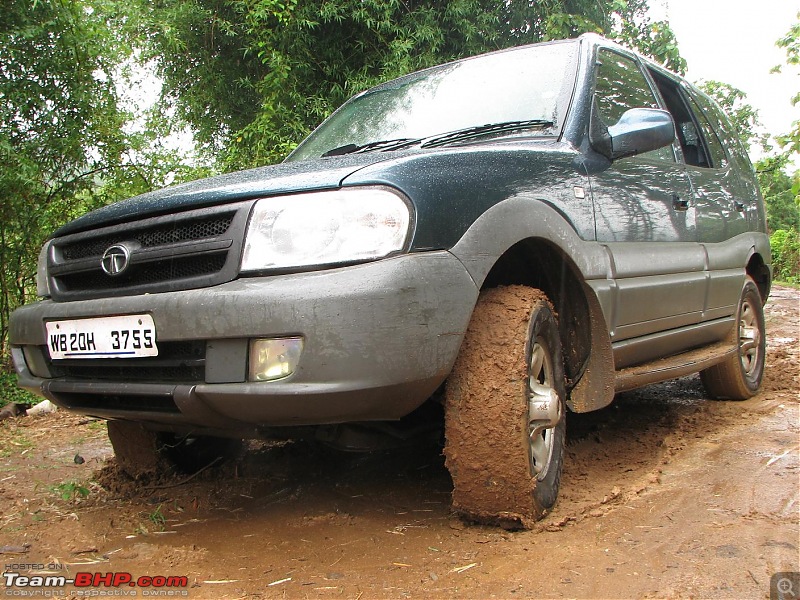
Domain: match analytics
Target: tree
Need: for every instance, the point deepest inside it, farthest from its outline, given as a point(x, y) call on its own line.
point(785, 244)
point(63, 138)
point(780, 191)
point(60, 128)
point(791, 43)
point(783, 196)
point(652, 38)
point(254, 77)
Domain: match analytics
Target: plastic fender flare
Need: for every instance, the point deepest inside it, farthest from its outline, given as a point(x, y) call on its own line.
point(523, 217)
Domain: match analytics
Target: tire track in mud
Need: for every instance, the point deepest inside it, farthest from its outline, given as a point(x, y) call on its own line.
point(628, 522)
point(620, 452)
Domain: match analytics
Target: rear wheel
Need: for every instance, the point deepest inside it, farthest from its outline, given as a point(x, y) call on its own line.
point(739, 377)
point(505, 405)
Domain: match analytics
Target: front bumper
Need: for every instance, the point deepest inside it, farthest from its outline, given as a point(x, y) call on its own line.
point(379, 338)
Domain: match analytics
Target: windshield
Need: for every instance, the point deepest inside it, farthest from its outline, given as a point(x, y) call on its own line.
point(531, 84)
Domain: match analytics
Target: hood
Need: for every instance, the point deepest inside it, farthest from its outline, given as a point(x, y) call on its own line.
point(284, 178)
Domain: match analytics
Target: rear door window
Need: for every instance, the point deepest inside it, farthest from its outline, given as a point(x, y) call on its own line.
point(693, 146)
point(716, 153)
point(720, 214)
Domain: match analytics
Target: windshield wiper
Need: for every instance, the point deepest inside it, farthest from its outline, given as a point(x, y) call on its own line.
point(441, 139)
point(378, 145)
point(481, 130)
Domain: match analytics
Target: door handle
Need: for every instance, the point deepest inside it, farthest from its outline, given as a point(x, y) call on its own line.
point(679, 203)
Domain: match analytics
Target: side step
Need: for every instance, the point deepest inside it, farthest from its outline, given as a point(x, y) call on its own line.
point(679, 365)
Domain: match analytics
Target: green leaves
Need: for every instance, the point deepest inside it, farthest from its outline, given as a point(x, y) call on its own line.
point(59, 128)
point(782, 191)
point(791, 43)
point(634, 29)
point(70, 490)
point(254, 77)
point(64, 143)
point(785, 244)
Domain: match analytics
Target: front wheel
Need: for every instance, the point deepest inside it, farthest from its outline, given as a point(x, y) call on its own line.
point(739, 377)
point(142, 453)
point(505, 410)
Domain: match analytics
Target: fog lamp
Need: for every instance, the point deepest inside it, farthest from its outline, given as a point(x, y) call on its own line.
point(272, 359)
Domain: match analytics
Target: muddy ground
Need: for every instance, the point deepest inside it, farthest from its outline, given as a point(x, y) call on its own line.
point(664, 494)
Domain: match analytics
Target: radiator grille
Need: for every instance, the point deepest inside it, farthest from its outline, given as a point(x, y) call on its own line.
point(188, 250)
point(194, 229)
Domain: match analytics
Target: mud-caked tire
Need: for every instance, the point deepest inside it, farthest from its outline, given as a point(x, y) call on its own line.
point(739, 377)
point(505, 470)
point(137, 450)
point(189, 454)
point(142, 453)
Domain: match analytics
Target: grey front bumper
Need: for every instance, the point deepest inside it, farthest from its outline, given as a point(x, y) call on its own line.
point(379, 339)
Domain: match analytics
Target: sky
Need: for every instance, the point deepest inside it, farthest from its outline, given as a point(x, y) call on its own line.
point(733, 41)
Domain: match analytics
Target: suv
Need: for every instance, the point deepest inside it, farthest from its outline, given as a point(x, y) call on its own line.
point(503, 237)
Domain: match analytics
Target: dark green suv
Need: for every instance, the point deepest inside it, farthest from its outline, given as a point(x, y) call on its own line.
point(507, 237)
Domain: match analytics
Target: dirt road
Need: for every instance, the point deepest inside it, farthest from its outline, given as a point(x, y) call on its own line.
point(665, 494)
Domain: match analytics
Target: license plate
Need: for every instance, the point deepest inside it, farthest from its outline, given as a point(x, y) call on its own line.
point(129, 336)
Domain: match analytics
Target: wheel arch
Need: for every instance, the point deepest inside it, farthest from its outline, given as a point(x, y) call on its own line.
point(761, 273)
point(532, 244)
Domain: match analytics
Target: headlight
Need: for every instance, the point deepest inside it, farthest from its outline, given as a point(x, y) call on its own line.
point(42, 282)
point(324, 228)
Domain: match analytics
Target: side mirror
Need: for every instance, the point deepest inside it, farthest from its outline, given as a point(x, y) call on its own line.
point(639, 130)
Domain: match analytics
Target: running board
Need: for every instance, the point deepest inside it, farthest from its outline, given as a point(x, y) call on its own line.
point(672, 367)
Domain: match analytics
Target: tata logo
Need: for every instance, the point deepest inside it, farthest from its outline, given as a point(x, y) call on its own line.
point(116, 260)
